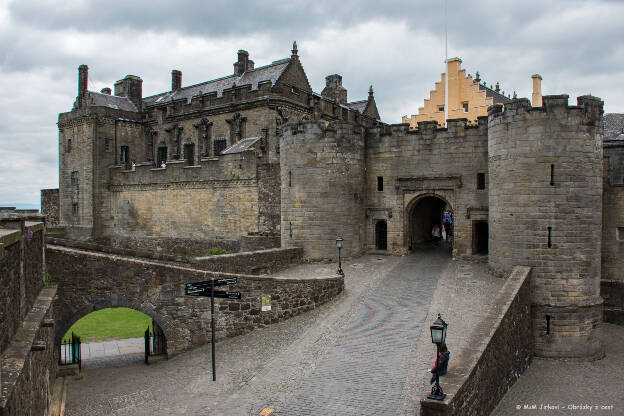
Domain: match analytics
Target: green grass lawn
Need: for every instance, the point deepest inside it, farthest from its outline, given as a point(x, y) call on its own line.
point(111, 323)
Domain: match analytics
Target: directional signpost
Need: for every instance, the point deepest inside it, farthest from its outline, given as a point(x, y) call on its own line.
point(206, 289)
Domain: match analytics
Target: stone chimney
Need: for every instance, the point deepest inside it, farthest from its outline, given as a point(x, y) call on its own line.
point(106, 91)
point(334, 89)
point(176, 80)
point(497, 87)
point(83, 80)
point(243, 64)
point(536, 99)
point(132, 87)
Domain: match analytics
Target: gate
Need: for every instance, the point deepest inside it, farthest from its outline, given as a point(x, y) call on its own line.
point(70, 351)
point(155, 342)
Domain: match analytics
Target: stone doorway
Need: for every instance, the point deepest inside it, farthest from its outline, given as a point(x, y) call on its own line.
point(480, 237)
point(425, 212)
point(189, 154)
point(161, 156)
point(381, 235)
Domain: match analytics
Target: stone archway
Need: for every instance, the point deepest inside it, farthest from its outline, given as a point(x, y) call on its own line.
point(420, 215)
point(67, 315)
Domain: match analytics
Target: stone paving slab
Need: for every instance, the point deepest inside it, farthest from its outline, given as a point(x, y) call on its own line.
point(333, 360)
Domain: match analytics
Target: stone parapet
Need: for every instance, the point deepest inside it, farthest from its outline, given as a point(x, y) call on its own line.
point(495, 355)
point(93, 281)
point(252, 262)
point(28, 365)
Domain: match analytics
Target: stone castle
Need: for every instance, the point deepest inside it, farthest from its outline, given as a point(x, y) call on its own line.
point(257, 159)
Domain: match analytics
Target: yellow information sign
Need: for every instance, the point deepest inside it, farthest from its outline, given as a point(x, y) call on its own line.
point(266, 303)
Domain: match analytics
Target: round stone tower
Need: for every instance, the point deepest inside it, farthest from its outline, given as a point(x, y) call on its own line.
point(322, 174)
point(545, 196)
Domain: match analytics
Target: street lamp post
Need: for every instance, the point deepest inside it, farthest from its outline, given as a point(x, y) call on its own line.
point(339, 245)
point(438, 337)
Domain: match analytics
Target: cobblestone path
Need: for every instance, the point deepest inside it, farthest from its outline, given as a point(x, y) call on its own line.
point(364, 370)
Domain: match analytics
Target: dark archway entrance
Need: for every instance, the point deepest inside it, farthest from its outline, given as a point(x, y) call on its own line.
point(479, 237)
point(381, 235)
point(425, 212)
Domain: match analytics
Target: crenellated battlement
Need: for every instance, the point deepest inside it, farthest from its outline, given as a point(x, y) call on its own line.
point(588, 108)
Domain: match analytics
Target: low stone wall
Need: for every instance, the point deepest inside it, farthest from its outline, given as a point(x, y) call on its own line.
point(90, 281)
point(252, 262)
point(497, 352)
point(28, 366)
point(172, 246)
point(612, 291)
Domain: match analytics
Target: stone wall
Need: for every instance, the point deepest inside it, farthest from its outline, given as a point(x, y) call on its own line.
point(90, 281)
point(252, 262)
point(546, 169)
point(495, 355)
point(21, 272)
point(170, 246)
point(50, 206)
point(430, 161)
point(28, 365)
point(323, 193)
point(613, 212)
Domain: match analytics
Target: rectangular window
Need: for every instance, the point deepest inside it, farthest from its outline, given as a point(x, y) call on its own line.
point(441, 108)
point(219, 145)
point(124, 155)
point(619, 233)
point(380, 183)
point(68, 146)
point(465, 105)
point(108, 145)
point(74, 178)
point(480, 180)
point(75, 209)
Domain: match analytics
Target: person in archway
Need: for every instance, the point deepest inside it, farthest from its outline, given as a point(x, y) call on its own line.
point(435, 233)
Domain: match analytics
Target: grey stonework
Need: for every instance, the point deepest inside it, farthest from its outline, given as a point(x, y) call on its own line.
point(545, 167)
point(50, 206)
point(316, 166)
point(91, 281)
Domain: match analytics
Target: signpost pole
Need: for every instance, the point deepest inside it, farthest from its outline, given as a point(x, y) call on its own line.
point(212, 324)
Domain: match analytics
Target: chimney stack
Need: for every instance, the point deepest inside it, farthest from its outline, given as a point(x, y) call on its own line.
point(83, 78)
point(243, 63)
point(106, 91)
point(131, 86)
point(536, 99)
point(176, 80)
point(334, 89)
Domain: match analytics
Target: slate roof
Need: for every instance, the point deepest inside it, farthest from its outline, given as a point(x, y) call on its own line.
point(497, 97)
point(240, 146)
point(252, 77)
point(613, 123)
point(96, 99)
point(359, 106)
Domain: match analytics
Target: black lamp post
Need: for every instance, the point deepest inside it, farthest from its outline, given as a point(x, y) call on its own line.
point(438, 336)
point(339, 245)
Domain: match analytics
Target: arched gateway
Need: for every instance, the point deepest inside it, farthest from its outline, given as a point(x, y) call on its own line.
point(421, 214)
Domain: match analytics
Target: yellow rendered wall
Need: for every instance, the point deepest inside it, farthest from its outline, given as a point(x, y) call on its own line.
point(462, 88)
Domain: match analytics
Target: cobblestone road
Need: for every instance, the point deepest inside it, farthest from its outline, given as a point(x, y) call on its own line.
point(364, 352)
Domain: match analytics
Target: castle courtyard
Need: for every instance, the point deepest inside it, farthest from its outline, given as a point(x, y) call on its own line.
point(365, 352)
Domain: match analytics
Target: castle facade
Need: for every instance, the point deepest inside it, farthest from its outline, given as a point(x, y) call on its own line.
point(258, 152)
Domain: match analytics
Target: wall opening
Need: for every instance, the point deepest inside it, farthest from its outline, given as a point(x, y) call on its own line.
point(426, 213)
point(381, 235)
point(480, 180)
point(380, 183)
point(189, 154)
point(161, 156)
point(480, 237)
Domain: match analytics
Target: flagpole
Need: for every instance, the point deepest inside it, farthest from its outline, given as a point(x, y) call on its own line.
point(446, 91)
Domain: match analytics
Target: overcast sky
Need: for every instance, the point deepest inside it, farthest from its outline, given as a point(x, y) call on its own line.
point(397, 46)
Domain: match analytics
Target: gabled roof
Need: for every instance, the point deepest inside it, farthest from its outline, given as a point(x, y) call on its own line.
point(96, 99)
point(497, 97)
point(359, 106)
point(251, 77)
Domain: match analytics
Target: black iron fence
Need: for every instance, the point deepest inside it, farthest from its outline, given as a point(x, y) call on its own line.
point(155, 343)
point(70, 352)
